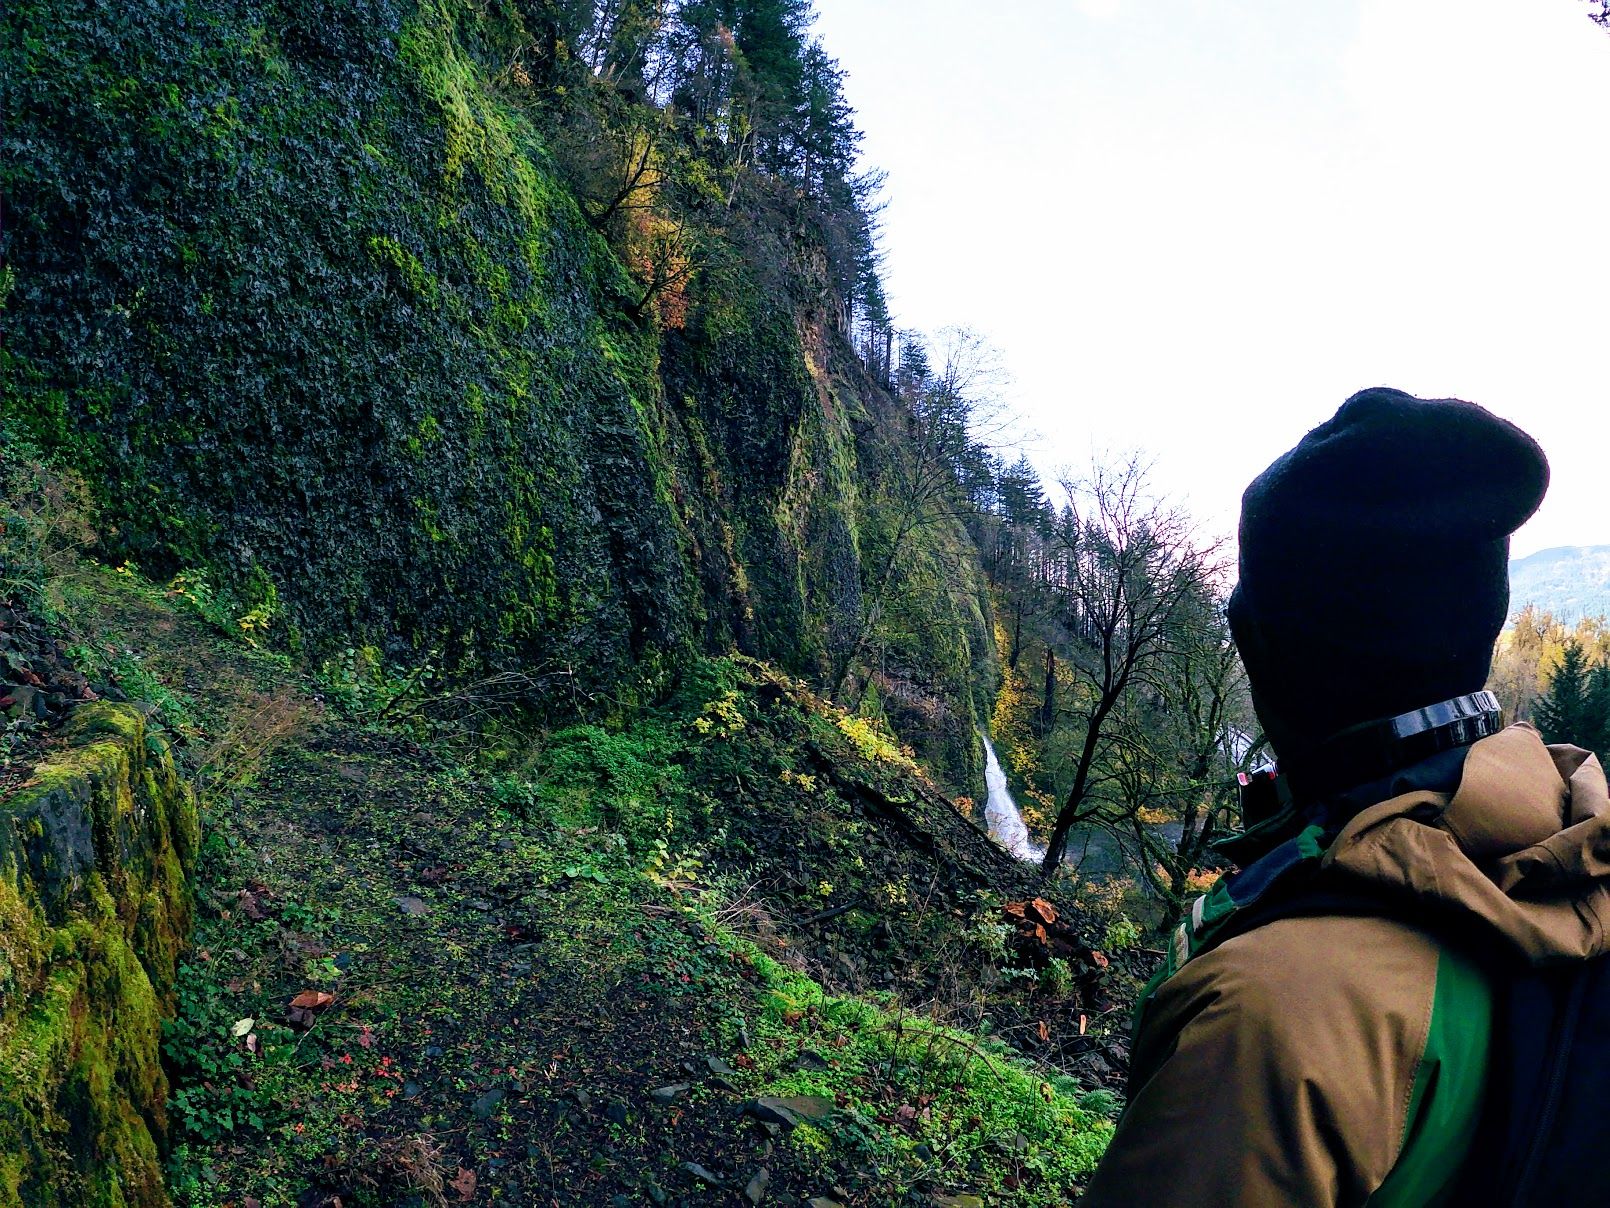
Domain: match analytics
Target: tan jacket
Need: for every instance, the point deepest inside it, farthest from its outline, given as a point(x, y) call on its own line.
point(1340, 1060)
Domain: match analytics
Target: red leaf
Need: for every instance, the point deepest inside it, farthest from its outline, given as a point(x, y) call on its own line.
point(464, 1183)
point(312, 1000)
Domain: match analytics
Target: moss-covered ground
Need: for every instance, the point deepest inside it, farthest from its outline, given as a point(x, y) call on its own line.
point(579, 966)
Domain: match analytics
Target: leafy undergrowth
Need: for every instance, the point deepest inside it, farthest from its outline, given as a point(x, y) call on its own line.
point(732, 949)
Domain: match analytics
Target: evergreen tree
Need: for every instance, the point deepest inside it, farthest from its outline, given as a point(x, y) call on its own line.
point(1596, 722)
point(1576, 706)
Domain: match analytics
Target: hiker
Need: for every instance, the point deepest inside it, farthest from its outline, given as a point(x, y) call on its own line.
point(1329, 1021)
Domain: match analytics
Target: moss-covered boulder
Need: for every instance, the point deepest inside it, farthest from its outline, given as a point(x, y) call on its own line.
point(94, 907)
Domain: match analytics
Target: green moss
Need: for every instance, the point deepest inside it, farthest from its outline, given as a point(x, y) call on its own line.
point(1017, 1121)
point(103, 718)
point(386, 251)
point(41, 1040)
point(21, 947)
point(82, 1091)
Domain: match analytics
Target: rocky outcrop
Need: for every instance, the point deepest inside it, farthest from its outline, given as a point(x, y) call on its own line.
point(95, 904)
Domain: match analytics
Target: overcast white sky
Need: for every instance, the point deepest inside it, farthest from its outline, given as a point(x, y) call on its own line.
point(1196, 227)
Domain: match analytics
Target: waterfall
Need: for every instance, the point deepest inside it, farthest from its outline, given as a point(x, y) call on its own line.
point(1001, 815)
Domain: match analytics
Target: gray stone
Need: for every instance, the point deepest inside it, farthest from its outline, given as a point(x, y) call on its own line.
point(755, 1189)
point(488, 1103)
point(790, 1110)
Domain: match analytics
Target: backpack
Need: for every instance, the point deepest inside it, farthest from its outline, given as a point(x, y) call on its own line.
point(1544, 1137)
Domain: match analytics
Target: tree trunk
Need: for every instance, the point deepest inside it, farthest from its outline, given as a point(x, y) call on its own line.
point(1048, 701)
point(1058, 846)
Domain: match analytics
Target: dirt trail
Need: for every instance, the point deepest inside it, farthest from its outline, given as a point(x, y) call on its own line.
point(496, 1046)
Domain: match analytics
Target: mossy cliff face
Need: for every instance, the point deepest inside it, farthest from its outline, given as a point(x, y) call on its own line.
point(293, 283)
point(298, 286)
point(94, 908)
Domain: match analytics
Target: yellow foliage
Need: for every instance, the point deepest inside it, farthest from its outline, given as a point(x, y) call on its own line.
point(721, 716)
point(1105, 899)
point(799, 780)
point(1528, 653)
point(1200, 880)
point(657, 247)
point(1197, 881)
point(871, 741)
point(1037, 806)
point(1009, 721)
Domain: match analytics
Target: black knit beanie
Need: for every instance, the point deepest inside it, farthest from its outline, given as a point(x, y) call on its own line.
point(1375, 563)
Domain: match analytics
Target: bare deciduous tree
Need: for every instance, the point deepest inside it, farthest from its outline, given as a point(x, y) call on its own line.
point(1130, 576)
point(1196, 734)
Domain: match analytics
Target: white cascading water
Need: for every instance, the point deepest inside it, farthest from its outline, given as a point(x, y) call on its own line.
point(1005, 824)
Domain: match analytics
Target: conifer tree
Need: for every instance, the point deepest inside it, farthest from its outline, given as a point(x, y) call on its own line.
point(1576, 706)
point(1596, 723)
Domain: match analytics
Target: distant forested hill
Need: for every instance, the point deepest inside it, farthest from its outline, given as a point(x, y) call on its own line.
point(1570, 581)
